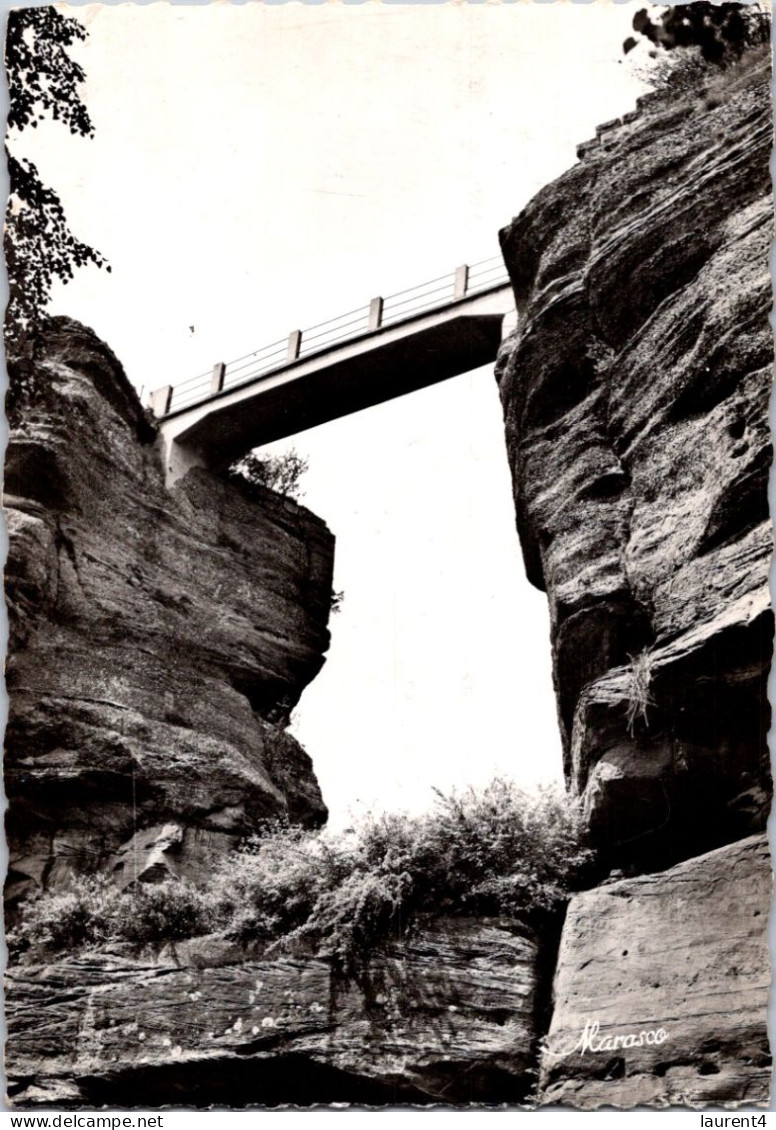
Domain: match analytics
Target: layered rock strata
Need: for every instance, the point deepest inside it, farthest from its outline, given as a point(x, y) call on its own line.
point(635, 395)
point(159, 638)
point(662, 988)
point(448, 1015)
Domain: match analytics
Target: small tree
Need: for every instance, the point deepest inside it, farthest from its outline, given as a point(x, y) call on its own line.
point(43, 80)
point(280, 473)
point(721, 32)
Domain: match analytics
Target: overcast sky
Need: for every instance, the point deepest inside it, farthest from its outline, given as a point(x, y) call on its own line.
point(258, 168)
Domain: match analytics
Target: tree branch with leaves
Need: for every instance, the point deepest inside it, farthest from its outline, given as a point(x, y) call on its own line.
point(720, 32)
point(43, 81)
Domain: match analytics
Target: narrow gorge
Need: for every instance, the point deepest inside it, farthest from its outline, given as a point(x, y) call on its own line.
point(161, 637)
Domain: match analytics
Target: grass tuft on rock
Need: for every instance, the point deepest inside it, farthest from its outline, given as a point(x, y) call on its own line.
point(639, 695)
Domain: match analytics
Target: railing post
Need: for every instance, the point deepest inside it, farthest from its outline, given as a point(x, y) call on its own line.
point(217, 379)
point(159, 402)
point(461, 281)
point(375, 313)
point(294, 345)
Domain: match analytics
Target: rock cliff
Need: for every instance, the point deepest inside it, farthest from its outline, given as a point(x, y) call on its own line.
point(452, 1014)
point(682, 955)
point(449, 1016)
point(158, 639)
point(635, 395)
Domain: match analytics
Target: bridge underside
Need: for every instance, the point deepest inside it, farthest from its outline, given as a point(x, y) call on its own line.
point(274, 408)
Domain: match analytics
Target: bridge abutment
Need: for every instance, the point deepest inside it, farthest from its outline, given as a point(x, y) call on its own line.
point(178, 458)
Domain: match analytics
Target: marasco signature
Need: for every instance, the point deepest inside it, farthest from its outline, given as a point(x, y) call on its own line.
point(590, 1041)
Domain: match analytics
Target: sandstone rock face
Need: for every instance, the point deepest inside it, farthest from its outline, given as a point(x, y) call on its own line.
point(446, 1016)
point(158, 639)
point(684, 951)
point(635, 395)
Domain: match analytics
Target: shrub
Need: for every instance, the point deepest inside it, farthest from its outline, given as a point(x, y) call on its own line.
point(508, 851)
point(93, 912)
point(149, 914)
point(68, 919)
point(280, 473)
point(692, 46)
point(720, 32)
point(500, 851)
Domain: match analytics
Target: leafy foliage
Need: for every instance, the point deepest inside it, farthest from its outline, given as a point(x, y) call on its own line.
point(721, 32)
point(92, 912)
point(39, 246)
point(495, 852)
point(163, 912)
point(281, 473)
point(67, 920)
point(337, 893)
point(42, 78)
point(43, 81)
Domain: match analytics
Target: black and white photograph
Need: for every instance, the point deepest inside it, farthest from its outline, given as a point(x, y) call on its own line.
point(386, 495)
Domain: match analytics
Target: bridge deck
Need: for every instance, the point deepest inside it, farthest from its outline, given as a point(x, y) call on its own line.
point(352, 374)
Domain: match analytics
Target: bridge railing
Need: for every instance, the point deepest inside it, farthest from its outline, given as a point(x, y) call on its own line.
point(464, 282)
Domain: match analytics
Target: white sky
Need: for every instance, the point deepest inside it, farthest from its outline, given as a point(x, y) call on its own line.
point(261, 167)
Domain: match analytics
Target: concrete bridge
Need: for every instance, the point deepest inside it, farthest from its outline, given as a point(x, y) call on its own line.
point(393, 346)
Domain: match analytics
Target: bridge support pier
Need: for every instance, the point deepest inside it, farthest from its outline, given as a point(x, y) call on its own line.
point(177, 458)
